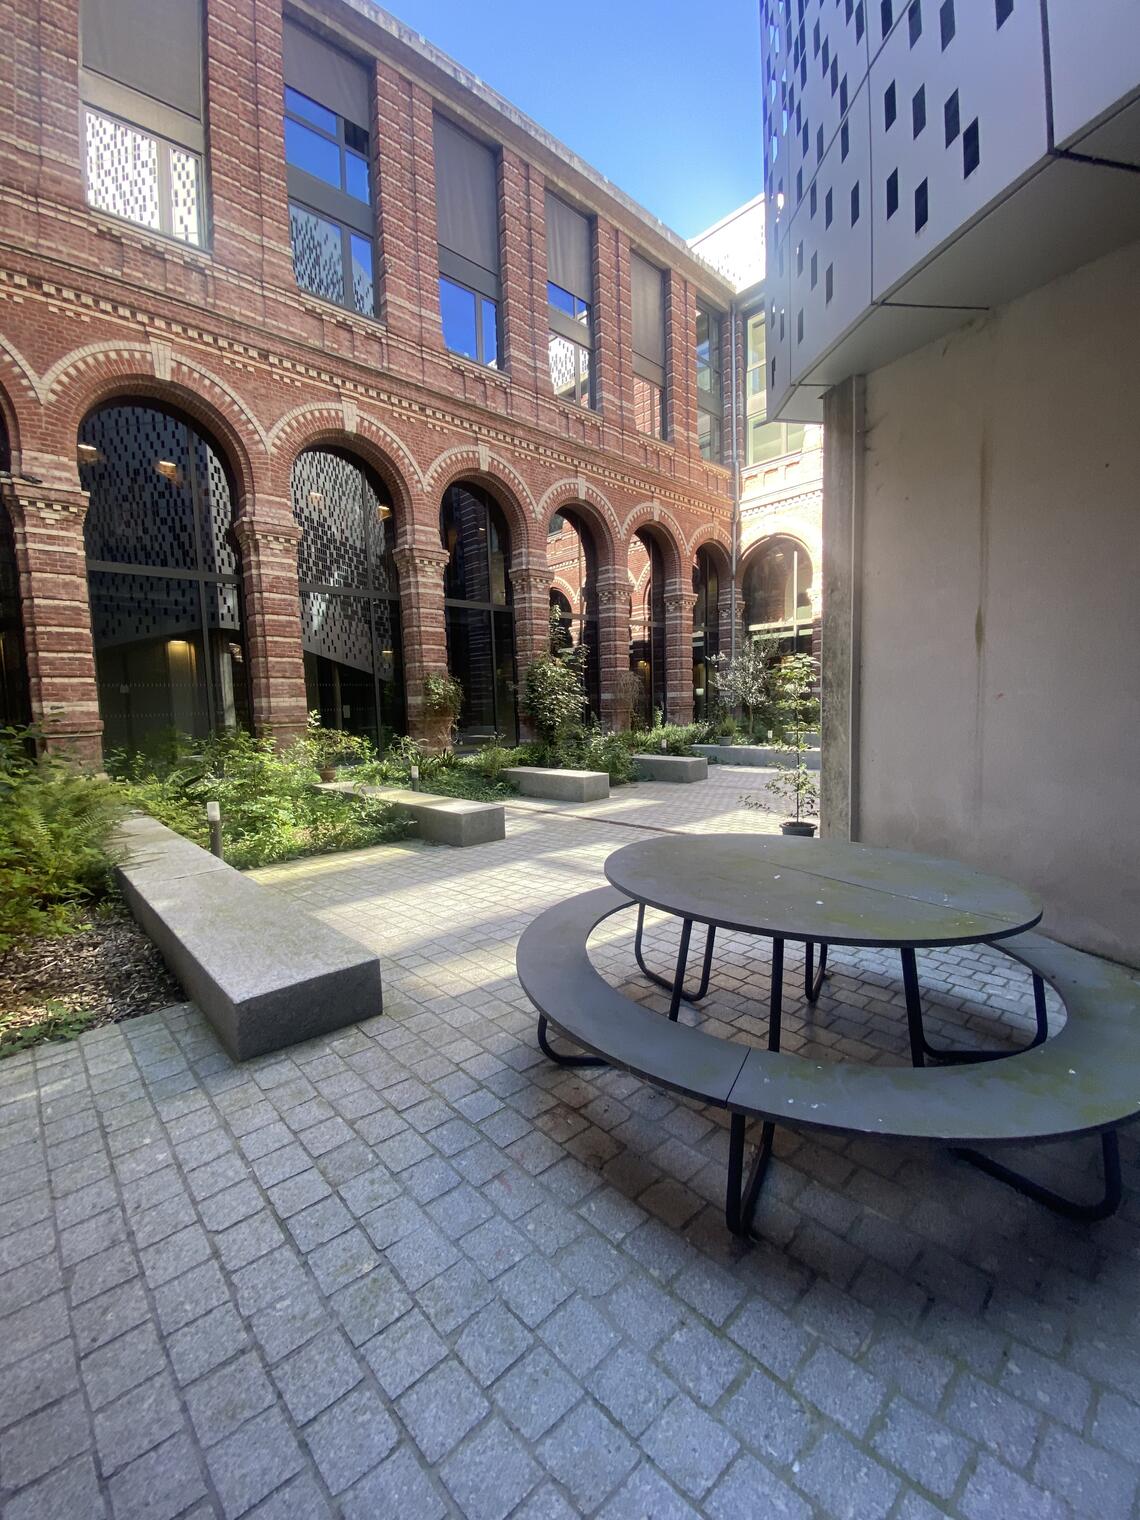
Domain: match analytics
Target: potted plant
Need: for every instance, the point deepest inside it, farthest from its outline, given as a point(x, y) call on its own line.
point(326, 748)
point(795, 782)
point(443, 699)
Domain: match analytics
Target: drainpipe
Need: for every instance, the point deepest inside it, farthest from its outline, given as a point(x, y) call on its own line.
point(736, 398)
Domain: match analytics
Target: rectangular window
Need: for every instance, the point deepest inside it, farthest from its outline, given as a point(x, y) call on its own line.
point(569, 298)
point(329, 170)
point(467, 215)
point(763, 440)
point(470, 323)
point(710, 403)
point(648, 290)
point(144, 137)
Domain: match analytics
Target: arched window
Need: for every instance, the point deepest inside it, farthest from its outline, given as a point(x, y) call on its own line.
point(572, 556)
point(350, 595)
point(163, 577)
point(706, 632)
point(647, 624)
point(14, 708)
point(477, 603)
point(777, 587)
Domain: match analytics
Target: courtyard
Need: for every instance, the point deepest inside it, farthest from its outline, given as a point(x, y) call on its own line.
point(413, 1269)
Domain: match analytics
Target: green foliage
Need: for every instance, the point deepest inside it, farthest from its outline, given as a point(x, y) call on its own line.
point(60, 1022)
point(271, 809)
point(792, 703)
point(749, 681)
point(588, 748)
point(443, 696)
point(553, 697)
point(445, 775)
point(325, 748)
point(677, 738)
point(56, 827)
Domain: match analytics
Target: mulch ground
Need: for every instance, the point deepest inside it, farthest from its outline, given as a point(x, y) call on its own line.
point(56, 987)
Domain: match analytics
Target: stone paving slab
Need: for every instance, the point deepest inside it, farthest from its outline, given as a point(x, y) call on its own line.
point(412, 1270)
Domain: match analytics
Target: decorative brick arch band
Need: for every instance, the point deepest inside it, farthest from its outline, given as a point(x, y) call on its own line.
point(324, 426)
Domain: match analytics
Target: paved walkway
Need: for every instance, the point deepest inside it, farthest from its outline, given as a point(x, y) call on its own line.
point(413, 1271)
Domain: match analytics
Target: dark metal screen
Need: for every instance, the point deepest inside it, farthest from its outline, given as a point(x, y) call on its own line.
point(706, 633)
point(14, 708)
point(163, 577)
point(480, 622)
point(647, 636)
point(350, 608)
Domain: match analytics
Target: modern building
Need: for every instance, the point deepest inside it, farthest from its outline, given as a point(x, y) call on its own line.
point(319, 363)
point(953, 233)
point(780, 490)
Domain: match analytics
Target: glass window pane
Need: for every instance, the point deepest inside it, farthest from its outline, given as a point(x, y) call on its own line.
point(505, 675)
point(765, 441)
point(490, 317)
point(562, 299)
point(465, 539)
point(186, 223)
point(363, 298)
point(795, 437)
point(457, 313)
point(563, 369)
point(356, 177)
point(336, 635)
point(708, 435)
point(122, 171)
point(301, 105)
point(389, 668)
point(307, 150)
point(647, 407)
point(584, 376)
point(470, 660)
point(318, 254)
point(355, 138)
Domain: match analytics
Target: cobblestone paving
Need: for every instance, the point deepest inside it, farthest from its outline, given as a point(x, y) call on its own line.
point(412, 1270)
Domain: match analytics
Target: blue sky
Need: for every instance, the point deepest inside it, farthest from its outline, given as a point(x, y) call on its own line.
point(662, 96)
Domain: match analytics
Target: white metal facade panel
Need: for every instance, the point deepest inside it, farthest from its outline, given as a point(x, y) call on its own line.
point(1094, 51)
point(991, 83)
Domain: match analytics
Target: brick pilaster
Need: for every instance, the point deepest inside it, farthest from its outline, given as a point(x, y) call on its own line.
point(47, 529)
point(409, 248)
point(679, 602)
point(680, 362)
point(272, 607)
point(614, 607)
point(530, 592)
point(518, 252)
point(422, 624)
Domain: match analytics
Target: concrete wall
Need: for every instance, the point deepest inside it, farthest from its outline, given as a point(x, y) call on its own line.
point(999, 713)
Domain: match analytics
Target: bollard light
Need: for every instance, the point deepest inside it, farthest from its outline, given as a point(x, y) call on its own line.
point(414, 774)
point(664, 745)
point(214, 819)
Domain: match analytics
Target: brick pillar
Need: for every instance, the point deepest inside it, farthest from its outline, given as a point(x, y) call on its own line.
point(680, 362)
point(614, 607)
point(422, 624)
point(679, 652)
point(408, 241)
point(47, 527)
point(518, 230)
point(530, 590)
point(272, 607)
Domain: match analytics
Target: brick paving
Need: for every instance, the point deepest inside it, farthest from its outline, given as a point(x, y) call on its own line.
point(412, 1270)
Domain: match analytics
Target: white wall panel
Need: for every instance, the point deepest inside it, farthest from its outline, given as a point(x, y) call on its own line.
point(1094, 48)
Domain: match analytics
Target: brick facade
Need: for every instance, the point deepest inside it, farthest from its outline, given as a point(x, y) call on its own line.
point(94, 308)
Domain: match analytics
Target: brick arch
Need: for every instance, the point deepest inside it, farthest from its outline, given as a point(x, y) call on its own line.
point(560, 583)
point(711, 536)
point(755, 551)
point(19, 398)
point(497, 477)
point(594, 509)
point(317, 426)
point(651, 514)
point(103, 373)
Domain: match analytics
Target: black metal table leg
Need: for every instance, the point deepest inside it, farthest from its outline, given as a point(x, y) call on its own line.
point(548, 1050)
point(920, 1044)
point(682, 963)
point(740, 1196)
point(1070, 1208)
point(661, 981)
point(776, 1000)
point(813, 984)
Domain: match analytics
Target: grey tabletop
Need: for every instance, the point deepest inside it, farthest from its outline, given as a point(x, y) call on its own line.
point(822, 890)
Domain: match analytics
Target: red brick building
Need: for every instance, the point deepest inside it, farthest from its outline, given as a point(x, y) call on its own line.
point(306, 339)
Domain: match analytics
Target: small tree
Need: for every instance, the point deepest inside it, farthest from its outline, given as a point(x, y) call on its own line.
point(748, 680)
point(793, 682)
point(553, 699)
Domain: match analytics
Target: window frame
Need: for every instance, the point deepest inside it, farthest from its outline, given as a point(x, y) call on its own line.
point(710, 398)
point(164, 146)
point(574, 327)
point(479, 301)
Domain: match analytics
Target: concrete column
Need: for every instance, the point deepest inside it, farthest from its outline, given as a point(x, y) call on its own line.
point(841, 597)
point(272, 608)
point(614, 607)
point(422, 624)
point(47, 529)
point(679, 602)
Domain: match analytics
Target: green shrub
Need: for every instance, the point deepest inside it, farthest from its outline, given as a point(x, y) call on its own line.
point(678, 738)
point(553, 698)
point(584, 749)
point(475, 777)
point(271, 809)
point(56, 827)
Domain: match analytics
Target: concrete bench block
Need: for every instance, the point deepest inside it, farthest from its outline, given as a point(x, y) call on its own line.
point(446, 820)
point(671, 767)
point(755, 754)
point(265, 973)
point(560, 785)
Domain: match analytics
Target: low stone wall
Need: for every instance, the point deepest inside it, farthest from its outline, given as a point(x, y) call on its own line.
point(265, 973)
point(755, 754)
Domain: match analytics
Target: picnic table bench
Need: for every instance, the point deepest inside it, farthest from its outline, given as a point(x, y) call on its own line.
point(1084, 1080)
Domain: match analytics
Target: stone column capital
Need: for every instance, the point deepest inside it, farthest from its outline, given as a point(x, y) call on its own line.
point(249, 533)
point(420, 560)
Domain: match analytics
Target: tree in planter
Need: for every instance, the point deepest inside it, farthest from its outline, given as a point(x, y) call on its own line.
point(749, 680)
point(326, 748)
point(443, 701)
point(554, 700)
point(796, 784)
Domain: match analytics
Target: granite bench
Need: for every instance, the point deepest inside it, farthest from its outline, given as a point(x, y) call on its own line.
point(671, 767)
point(263, 971)
point(559, 785)
point(455, 821)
